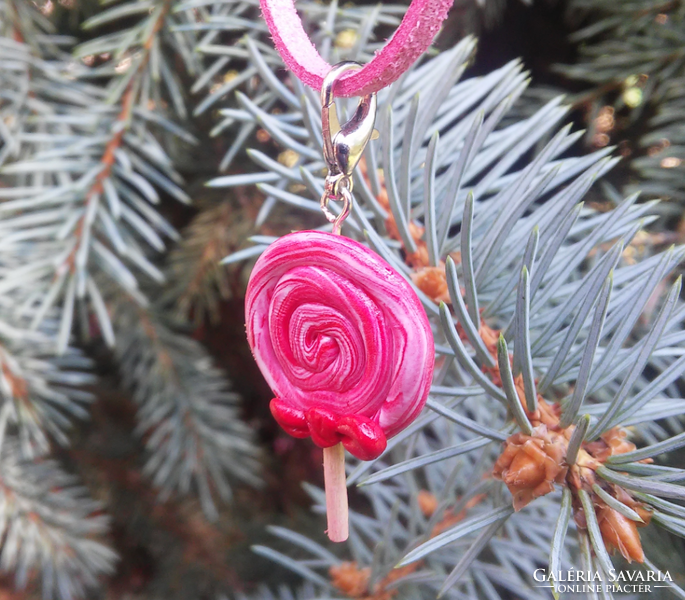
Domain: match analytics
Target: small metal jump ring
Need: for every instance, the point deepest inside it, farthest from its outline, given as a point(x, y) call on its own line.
point(345, 193)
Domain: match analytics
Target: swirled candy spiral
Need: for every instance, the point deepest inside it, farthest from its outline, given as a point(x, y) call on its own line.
point(342, 340)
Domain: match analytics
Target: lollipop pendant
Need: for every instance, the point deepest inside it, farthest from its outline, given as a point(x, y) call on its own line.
point(339, 335)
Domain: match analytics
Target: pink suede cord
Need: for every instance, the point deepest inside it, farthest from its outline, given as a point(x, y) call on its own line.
point(412, 38)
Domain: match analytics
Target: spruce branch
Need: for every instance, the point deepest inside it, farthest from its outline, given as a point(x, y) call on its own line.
point(187, 415)
point(88, 163)
point(197, 280)
point(88, 169)
point(50, 526)
point(40, 395)
point(632, 58)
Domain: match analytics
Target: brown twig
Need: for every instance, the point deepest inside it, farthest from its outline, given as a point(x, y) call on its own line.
point(108, 157)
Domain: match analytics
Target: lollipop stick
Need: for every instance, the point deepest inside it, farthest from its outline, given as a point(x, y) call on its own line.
point(336, 492)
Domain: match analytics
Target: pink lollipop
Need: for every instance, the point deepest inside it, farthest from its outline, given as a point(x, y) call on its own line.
point(342, 340)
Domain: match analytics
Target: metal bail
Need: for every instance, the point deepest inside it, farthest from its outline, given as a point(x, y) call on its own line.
point(343, 146)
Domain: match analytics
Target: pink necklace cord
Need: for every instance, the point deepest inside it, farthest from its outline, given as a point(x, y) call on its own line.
point(413, 37)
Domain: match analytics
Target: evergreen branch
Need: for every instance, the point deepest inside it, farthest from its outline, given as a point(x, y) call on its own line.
point(634, 61)
point(49, 525)
point(187, 416)
point(677, 441)
point(39, 395)
point(78, 147)
point(197, 280)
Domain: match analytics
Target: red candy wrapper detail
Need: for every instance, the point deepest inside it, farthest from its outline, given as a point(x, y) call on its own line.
point(360, 436)
point(341, 338)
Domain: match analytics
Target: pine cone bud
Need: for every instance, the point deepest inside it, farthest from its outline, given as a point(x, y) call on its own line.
point(432, 282)
point(531, 465)
point(350, 579)
point(621, 533)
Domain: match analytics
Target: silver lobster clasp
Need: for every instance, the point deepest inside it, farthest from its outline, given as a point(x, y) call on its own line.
point(344, 145)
